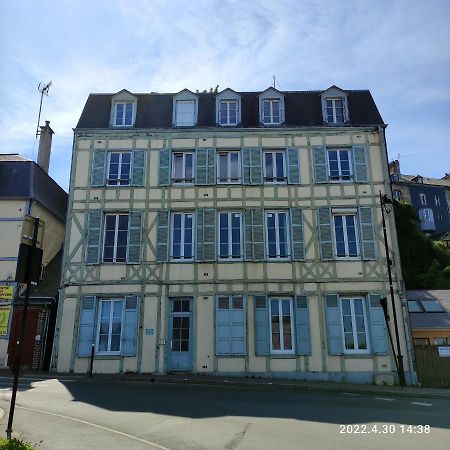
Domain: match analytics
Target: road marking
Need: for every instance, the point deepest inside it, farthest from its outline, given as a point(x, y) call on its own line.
point(152, 444)
point(350, 393)
point(385, 399)
point(421, 404)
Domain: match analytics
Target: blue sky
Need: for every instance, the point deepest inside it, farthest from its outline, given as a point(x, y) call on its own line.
point(400, 50)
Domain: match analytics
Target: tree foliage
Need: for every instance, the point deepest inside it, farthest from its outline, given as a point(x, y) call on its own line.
point(425, 263)
point(214, 91)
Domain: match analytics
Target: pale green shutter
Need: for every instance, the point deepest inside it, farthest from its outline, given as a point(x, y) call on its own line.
point(164, 171)
point(138, 174)
point(162, 237)
point(298, 252)
point(252, 165)
point(377, 325)
point(359, 163)
point(86, 330)
point(134, 237)
point(206, 234)
point(205, 166)
point(334, 327)
point(129, 326)
point(254, 234)
point(94, 236)
point(367, 235)
point(320, 164)
point(98, 168)
point(325, 233)
point(293, 160)
point(262, 342)
point(302, 328)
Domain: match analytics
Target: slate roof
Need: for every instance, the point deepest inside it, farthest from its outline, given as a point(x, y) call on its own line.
point(426, 180)
point(302, 109)
point(423, 320)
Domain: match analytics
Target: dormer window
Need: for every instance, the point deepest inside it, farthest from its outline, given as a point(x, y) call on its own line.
point(271, 107)
point(123, 116)
point(185, 109)
point(123, 109)
point(335, 110)
point(334, 106)
point(228, 112)
point(228, 108)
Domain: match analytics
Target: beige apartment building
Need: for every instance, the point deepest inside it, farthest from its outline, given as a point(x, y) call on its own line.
point(237, 233)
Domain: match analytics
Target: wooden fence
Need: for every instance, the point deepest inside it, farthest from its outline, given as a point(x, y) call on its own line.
point(432, 369)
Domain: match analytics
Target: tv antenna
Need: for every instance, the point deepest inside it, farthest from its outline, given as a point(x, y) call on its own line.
point(43, 89)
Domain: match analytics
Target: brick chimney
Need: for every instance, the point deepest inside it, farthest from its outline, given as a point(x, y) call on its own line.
point(45, 146)
point(394, 167)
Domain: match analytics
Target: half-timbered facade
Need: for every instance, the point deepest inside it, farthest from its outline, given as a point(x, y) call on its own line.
point(230, 234)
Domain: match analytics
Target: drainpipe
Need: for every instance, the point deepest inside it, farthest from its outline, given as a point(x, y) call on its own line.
point(398, 270)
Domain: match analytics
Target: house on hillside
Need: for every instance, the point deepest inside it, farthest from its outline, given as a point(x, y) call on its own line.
point(237, 233)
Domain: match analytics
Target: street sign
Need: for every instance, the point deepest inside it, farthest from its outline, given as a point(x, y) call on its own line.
point(6, 292)
point(26, 236)
point(5, 311)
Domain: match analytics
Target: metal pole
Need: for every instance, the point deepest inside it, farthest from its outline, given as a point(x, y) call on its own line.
point(383, 302)
point(18, 355)
point(400, 368)
point(92, 360)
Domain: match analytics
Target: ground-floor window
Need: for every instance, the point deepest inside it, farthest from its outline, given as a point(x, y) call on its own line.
point(281, 325)
point(354, 323)
point(109, 329)
point(230, 324)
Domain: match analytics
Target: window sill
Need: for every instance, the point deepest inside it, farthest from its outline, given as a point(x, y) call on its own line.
point(283, 355)
point(243, 355)
point(106, 356)
point(230, 260)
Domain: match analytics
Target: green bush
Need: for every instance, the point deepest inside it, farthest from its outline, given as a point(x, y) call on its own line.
point(14, 444)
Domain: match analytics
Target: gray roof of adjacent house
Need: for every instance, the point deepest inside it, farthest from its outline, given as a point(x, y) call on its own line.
point(426, 320)
point(302, 109)
point(21, 178)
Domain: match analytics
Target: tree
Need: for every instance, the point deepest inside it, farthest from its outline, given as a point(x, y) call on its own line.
point(214, 91)
point(425, 263)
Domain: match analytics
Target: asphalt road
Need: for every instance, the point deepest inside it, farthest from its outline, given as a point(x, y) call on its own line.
point(104, 414)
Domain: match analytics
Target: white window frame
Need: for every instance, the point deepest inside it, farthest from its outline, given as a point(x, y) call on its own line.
point(228, 123)
point(116, 235)
point(423, 199)
point(97, 336)
point(274, 165)
point(282, 351)
point(355, 337)
point(437, 200)
point(230, 232)
point(350, 165)
point(124, 103)
point(277, 235)
point(426, 215)
point(118, 180)
point(397, 195)
point(229, 180)
point(183, 169)
point(333, 101)
point(344, 226)
point(182, 239)
point(271, 102)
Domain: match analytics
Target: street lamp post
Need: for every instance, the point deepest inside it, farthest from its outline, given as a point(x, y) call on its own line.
point(386, 207)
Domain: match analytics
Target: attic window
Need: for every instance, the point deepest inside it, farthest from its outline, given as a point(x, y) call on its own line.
point(334, 108)
point(431, 306)
point(271, 112)
point(123, 114)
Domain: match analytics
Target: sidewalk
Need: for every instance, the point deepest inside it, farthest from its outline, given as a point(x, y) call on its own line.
point(269, 383)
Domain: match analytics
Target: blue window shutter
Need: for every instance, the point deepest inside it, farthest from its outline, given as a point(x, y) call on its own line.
point(252, 165)
point(302, 328)
point(325, 233)
point(254, 234)
point(206, 234)
point(99, 168)
point(377, 326)
point(367, 235)
point(129, 331)
point(359, 163)
point(320, 164)
point(134, 237)
point(86, 333)
point(334, 328)
point(262, 346)
point(238, 329)
point(293, 160)
point(164, 166)
point(94, 236)
point(162, 239)
point(298, 251)
point(138, 175)
point(223, 329)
